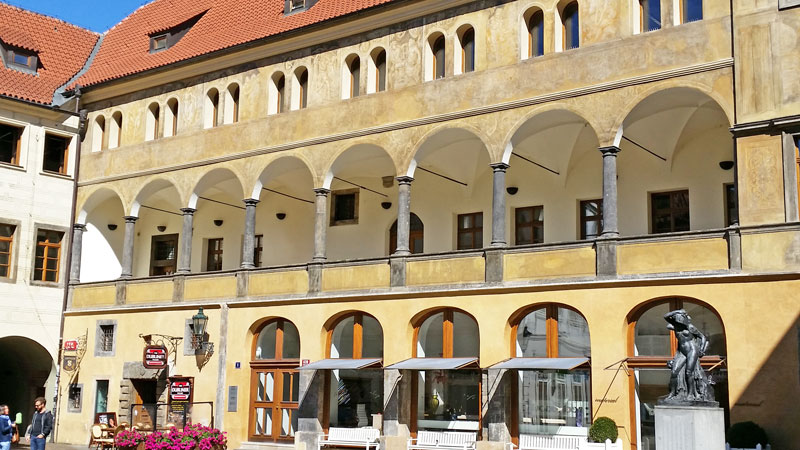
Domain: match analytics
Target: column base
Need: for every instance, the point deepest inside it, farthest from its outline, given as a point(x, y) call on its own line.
point(314, 277)
point(606, 257)
point(689, 428)
point(397, 274)
point(494, 265)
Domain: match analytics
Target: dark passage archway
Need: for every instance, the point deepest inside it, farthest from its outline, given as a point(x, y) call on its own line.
point(24, 371)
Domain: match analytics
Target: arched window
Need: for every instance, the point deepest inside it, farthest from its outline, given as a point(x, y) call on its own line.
point(376, 77)
point(534, 33)
point(232, 104)
point(99, 134)
point(447, 397)
point(466, 55)
point(212, 108)
point(649, 15)
point(300, 89)
point(690, 10)
point(275, 381)
point(570, 26)
point(277, 93)
point(652, 345)
point(354, 394)
point(115, 132)
point(416, 235)
point(436, 55)
point(553, 347)
point(151, 124)
point(351, 76)
point(171, 119)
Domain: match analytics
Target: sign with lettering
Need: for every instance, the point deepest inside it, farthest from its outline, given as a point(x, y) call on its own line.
point(155, 357)
point(70, 363)
point(71, 345)
point(180, 391)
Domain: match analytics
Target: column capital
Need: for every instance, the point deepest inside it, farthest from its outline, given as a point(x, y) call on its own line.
point(499, 167)
point(405, 179)
point(79, 226)
point(251, 201)
point(611, 150)
point(130, 219)
point(188, 211)
point(322, 192)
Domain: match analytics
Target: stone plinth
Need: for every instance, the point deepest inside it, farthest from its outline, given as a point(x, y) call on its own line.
point(689, 428)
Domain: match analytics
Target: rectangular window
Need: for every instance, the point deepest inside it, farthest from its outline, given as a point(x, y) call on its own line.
point(529, 225)
point(23, 58)
point(56, 150)
point(731, 205)
point(10, 141)
point(297, 4)
point(258, 249)
point(470, 231)
point(6, 247)
point(670, 211)
point(344, 207)
point(159, 42)
point(101, 397)
point(163, 254)
point(591, 218)
point(106, 338)
point(214, 255)
point(74, 401)
point(650, 15)
point(691, 10)
point(48, 255)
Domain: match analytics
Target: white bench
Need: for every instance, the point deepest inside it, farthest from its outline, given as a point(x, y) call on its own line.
point(439, 440)
point(351, 437)
point(548, 442)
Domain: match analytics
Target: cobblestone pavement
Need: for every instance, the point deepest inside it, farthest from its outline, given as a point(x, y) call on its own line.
point(50, 446)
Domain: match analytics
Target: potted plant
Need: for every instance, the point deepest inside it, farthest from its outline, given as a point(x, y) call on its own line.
point(603, 434)
point(129, 440)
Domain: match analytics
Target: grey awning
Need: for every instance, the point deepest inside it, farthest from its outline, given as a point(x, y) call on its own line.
point(334, 364)
point(540, 363)
point(434, 363)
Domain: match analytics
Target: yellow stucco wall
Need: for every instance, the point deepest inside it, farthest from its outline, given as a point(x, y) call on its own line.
point(680, 256)
point(578, 262)
point(160, 291)
point(207, 288)
point(276, 283)
point(771, 252)
point(355, 277)
point(445, 271)
point(89, 296)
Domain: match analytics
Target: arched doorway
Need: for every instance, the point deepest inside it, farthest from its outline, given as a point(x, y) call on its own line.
point(27, 372)
point(275, 382)
point(651, 345)
point(416, 236)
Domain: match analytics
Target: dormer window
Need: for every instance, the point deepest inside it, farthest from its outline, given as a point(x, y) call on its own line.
point(162, 39)
point(158, 43)
point(298, 4)
point(294, 6)
point(21, 59)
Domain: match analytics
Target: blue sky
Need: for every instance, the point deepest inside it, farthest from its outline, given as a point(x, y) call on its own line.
point(96, 15)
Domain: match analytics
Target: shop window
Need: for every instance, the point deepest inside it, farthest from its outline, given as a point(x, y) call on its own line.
point(652, 345)
point(352, 76)
point(416, 237)
point(691, 10)
point(163, 254)
point(232, 104)
point(591, 213)
point(376, 77)
point(470, 231)
point(151, 124)
point(171, 119)
point(344, 207)
point(670, 211)
point(74, 398)
point(731, 205)
point(115, 132)
point(6, 249)
point(277, 93)
point(435, 57)
point(534, 24)
point(466, 54)
point(56, 152)
point(48, 255)
point(105, 338)
point(101, 397)
point(212, 108)
point(10, 142)
point(300, 89)
point(649, 15)
point(570, 26)
point(275, 382)
point(529, 225)
point(258, 250)
point(214, 255)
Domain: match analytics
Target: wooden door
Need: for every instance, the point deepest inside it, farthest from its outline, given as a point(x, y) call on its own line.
point(274, 403)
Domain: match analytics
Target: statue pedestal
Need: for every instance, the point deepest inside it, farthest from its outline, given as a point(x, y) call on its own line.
point(689, 428)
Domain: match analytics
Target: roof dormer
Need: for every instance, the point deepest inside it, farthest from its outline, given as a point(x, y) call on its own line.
point(295, 6)
point(164, 38)
point(19, 51)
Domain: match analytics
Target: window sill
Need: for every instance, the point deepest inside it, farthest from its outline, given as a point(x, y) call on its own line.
point(63, 176)
point(9, 280)
point(6, 165)
point(52, 284)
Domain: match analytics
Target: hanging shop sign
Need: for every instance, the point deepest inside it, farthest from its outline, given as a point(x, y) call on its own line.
point(71, 345)
point(70, 363)
point(155, 357)
point(180, 400)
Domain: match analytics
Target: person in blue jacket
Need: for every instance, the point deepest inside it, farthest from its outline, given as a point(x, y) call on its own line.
point(6, 431)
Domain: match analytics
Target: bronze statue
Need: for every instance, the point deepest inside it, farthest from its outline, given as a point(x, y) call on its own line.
point(688, 382)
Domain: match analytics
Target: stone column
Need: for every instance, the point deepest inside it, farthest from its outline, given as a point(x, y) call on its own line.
point(248, 258)
point(310, 410)
point(320, 223)
point(610, 223)
point(498, 412)
point(185, 252)
point(403, 215)
point(127, 247)
point(499, 204)
point(77, 246)
point(397, 410)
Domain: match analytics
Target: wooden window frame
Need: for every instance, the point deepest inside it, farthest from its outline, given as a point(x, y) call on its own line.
point(154, 263)
point(682, 9)
point(672, 210)
point(119, 129)
point(412, 236)
point(31, 59)
point(159, 39)
point(435, 48)
point(64, 153)
point(258, 249)
point(213, 98)
point(342, 192)
point(212, 252)
point(565, 32)
point(532, 225)
point(529, 25)
point(584, 219)
point(15, 159)
point(380, 71)
point(10, 253)
point(728, 189)
point(174, 108)
point(47, 245)
point(280, 90)
point(155, 111)
point(279, 366)
point(302, 82)
point(464, 43)
point(473, 230)
point(235, 102)
point(354, 69)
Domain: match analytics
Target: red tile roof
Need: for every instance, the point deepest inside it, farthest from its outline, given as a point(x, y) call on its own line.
point(62, 49)
point(126, 47)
